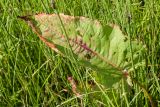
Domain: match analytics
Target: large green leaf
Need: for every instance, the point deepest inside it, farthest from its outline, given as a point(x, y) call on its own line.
point(102, 48)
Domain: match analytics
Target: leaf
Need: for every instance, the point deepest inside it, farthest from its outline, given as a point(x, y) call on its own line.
point(102, 48)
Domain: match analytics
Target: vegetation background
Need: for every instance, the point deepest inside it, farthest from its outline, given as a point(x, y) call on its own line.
point(31, 74)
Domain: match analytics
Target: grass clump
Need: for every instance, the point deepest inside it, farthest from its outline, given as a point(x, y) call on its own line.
point(31, 74)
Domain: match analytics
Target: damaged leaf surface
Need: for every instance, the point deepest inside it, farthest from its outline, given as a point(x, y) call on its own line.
point(102, 48)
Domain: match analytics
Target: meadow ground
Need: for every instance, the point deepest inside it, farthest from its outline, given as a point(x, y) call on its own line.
point(31, 74)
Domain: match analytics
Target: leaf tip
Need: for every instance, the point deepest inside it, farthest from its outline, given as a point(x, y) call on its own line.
point(26, 18)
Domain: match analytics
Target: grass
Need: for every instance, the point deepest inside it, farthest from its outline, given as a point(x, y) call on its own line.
point(31, 74)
